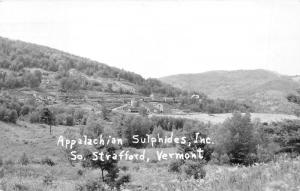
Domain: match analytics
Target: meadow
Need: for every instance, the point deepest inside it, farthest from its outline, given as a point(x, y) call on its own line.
point(45, 169)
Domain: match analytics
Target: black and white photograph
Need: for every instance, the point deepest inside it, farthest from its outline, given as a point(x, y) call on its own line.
point(149, 95)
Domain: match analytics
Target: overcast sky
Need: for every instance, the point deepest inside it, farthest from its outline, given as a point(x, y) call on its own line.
point(159, 38)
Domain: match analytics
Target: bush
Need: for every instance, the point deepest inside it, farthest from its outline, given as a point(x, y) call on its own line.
point(135, 125)
point(158, 132)
point(20, 187)
point(124, 168)
point(34, 117)
point(122, 180)
point(9, 162)
point(25, 110)
point(79, 115)
point(60, 120)
point(13, 116)
point(48, 180)
point(2, 173)
point(1, 161)
point(92, 185)
point(69, 120)
point(47, 161)
point(224, 159)
point(8, 115)
point(284, 135)
point(175, 166)
point(80, 172)
point(193, 169)
point(24, 160)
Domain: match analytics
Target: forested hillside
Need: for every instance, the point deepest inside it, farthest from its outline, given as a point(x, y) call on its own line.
point(266, 89)
point(16, 56)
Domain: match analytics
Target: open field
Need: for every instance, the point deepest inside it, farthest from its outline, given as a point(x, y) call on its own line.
point(220, 118)
point(36, 142)
point(32, 139)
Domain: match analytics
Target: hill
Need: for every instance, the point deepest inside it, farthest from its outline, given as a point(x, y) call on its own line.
point(266, 89)
point(18, 59)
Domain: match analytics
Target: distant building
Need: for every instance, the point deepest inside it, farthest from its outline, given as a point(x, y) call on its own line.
point(169, 100)
point(152, 96)
point(159, 108)
point(134, 103)
point(195, 96)
point(133, 110)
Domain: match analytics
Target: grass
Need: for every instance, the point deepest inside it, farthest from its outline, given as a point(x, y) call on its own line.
point(282, 175)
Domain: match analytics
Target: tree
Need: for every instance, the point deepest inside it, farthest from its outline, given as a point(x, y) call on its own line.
point(157, 133)
point(143, 111)
point(33, 80)
point(38, 75)
point(236, 138)
point(135, 125)
point(48, 118)
point(109, 87)
point(13, 116)
point(94, 129)
point(104, 112)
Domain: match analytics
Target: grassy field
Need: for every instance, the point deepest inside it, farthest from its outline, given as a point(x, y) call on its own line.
point(36, 142)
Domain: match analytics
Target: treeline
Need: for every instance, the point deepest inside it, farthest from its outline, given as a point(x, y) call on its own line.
point(152, 85)
point(295, 98)
point(207, 105)
point(20, 79)
point(16, 55)
point(237, 141)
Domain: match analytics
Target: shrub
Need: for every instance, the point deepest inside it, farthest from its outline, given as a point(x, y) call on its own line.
point(175, 166)
point(124, 168)
point(48, 180)
point(224, 159)
point(47, 161)
point(60, 119)
point(283, 136)
point(13, 116)
point(93, 185)
point(20, 187)
point(24, 160)
point(2, 174)
point(1, 161)
point(80, 172)
point(8, 115)
point(158, 132)
point(34, 117)
point(9, 162)
point(122, 180)
point(193, 169)
point(133, 125)
point(79, 115)
point(25, 110)
point(69, 120)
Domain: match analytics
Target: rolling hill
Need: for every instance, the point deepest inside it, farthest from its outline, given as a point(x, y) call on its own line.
point(17, 57)
point(266, 89)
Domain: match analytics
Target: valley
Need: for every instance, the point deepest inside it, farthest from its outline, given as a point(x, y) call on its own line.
point(49, 100)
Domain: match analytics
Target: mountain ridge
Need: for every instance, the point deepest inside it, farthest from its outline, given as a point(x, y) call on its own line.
point(265, 88)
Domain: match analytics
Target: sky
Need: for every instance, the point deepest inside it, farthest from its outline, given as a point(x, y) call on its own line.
point(160, 38)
